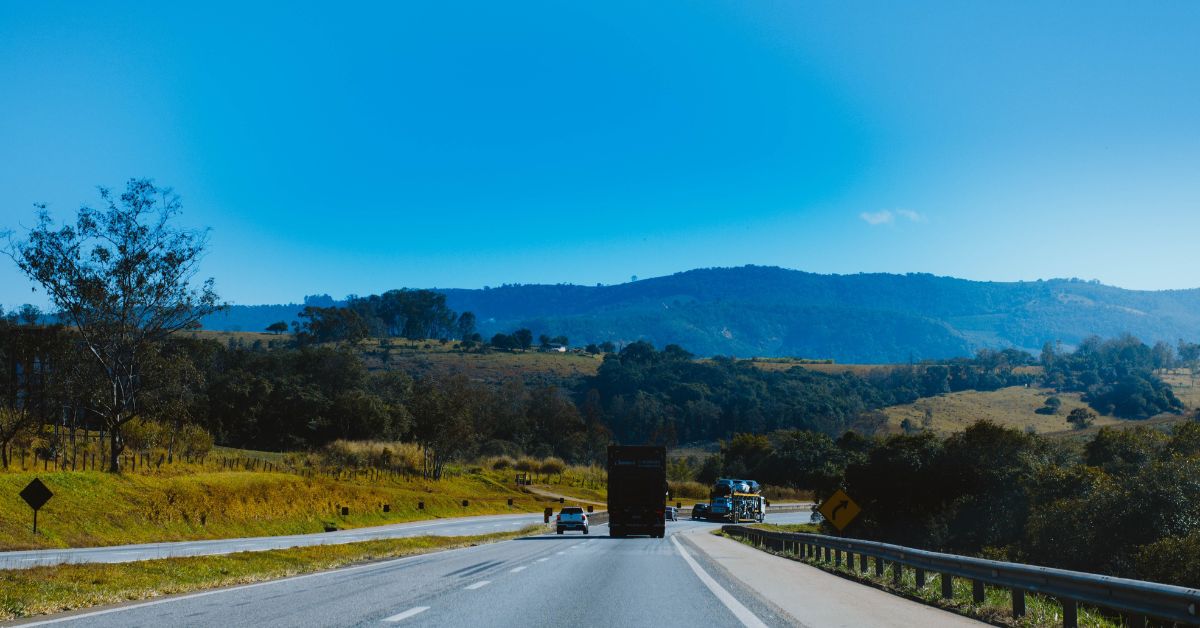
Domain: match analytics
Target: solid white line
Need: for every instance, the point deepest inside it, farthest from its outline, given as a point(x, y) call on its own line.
point(478, 585)
point(748, 619)
point(416, 610)
point(517, 569)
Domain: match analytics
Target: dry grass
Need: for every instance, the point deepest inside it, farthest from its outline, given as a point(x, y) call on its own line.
point(1011, 407)
point(95, 508)
point(1184, 387)
point(43, 590)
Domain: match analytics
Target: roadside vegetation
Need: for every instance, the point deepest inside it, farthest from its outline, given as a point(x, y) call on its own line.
point(1124, 502)
point(45, 590)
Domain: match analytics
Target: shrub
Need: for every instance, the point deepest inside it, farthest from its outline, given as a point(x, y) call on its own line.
point(194, 440)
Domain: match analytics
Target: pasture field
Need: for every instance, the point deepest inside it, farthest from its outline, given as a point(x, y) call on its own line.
point(1010, 407)
point(235, 493)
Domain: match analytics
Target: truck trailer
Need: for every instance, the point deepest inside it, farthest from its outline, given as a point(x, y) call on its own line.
point(637, 490)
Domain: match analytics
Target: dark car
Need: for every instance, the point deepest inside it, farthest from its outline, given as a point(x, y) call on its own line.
point(700, 511)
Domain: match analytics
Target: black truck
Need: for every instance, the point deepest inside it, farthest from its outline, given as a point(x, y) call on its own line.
point(637, 490)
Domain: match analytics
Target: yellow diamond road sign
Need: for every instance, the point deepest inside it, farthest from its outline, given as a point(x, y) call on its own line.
point(839, 510)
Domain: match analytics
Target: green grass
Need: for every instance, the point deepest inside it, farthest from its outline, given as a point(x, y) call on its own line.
point(43, 590)
point(995, 609)
point(92, 508)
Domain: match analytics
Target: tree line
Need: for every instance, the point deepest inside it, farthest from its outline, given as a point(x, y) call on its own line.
point(1124, 502)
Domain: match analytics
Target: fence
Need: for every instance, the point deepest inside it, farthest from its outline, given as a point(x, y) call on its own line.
point(1135, 599)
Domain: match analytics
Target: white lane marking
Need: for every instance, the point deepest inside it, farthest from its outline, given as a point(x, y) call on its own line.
point(748, 619)
point(560, 553)
point(478, 585)
point(517, 569)
point(416, 610)
point(542, 560)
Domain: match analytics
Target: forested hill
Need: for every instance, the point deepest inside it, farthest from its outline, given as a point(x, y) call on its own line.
point(764, 311)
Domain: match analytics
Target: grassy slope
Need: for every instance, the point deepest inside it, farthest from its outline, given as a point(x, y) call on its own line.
point(43, 590)
point(1010, 407)
point(96, 508)
point(431, 356)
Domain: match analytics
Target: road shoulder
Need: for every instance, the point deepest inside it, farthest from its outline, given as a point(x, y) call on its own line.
point(812, 597)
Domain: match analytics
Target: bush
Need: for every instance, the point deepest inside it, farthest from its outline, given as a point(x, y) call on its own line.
point(194, 440)
point(142, 434)
point(552, 466)
point(501, 463)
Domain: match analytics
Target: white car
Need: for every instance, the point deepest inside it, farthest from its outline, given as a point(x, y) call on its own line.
point(670, 514)
point(571, 518)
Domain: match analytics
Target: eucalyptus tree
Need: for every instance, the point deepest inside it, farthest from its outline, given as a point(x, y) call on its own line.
point(123, 276)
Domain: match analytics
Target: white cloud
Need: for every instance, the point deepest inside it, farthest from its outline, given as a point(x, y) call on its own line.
point(884, 217)
point(888, 217)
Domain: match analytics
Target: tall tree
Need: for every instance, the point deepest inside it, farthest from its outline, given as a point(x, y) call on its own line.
point(122, 276)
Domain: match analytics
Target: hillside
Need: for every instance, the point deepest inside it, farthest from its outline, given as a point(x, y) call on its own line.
point(765, 311)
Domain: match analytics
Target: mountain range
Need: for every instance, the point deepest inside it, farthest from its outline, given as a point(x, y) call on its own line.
point(769, 311)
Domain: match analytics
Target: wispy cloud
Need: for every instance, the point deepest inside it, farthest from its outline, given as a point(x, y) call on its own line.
point(884, 217)
point(888, 217)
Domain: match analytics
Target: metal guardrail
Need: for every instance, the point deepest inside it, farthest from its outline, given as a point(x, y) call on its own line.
point(1137, 600)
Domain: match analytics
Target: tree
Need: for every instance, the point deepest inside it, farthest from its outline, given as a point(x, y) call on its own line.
point(1081, 418)
point(466, 325)
point(15, 427)
point(30, 314)
point(524, 338)
point(122, 276)
point(277, 327)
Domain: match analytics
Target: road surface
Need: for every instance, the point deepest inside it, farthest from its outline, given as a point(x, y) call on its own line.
point(459, 526)
point(547, 580)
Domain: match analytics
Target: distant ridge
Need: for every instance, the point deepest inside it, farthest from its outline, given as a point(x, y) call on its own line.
point(769, 311)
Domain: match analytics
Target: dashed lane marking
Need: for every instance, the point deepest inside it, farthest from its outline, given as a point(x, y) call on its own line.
point(416, 610)
point(518, 569)
point(478, 585)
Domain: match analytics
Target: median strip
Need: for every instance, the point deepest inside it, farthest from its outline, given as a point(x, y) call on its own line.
point(43, 590)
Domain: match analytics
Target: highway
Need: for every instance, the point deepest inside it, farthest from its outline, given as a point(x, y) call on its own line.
point(546, 580)
point(458, 526)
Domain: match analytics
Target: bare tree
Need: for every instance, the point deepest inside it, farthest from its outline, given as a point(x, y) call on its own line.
point(122, 276)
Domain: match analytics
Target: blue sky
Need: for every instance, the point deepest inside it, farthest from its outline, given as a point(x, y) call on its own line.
point(359, 148)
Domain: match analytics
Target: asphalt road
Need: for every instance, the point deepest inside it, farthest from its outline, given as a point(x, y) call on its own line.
point(461, 526)
point(548, 580)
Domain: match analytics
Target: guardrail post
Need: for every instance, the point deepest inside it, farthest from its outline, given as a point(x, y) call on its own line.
point(862, 563)
point(878, 567)
point(837, 559)
point(897, 572)
point(947, 586)
point(920, 578)
point(1018, 602)
point(1135, 621)
point(977, 592)
point(1070, 613)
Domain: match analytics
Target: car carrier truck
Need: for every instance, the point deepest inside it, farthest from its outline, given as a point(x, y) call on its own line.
point(637, 490)
point(736, 501)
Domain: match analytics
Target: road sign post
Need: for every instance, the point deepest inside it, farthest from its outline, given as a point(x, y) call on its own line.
point(839, 510)
point(36, 495)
